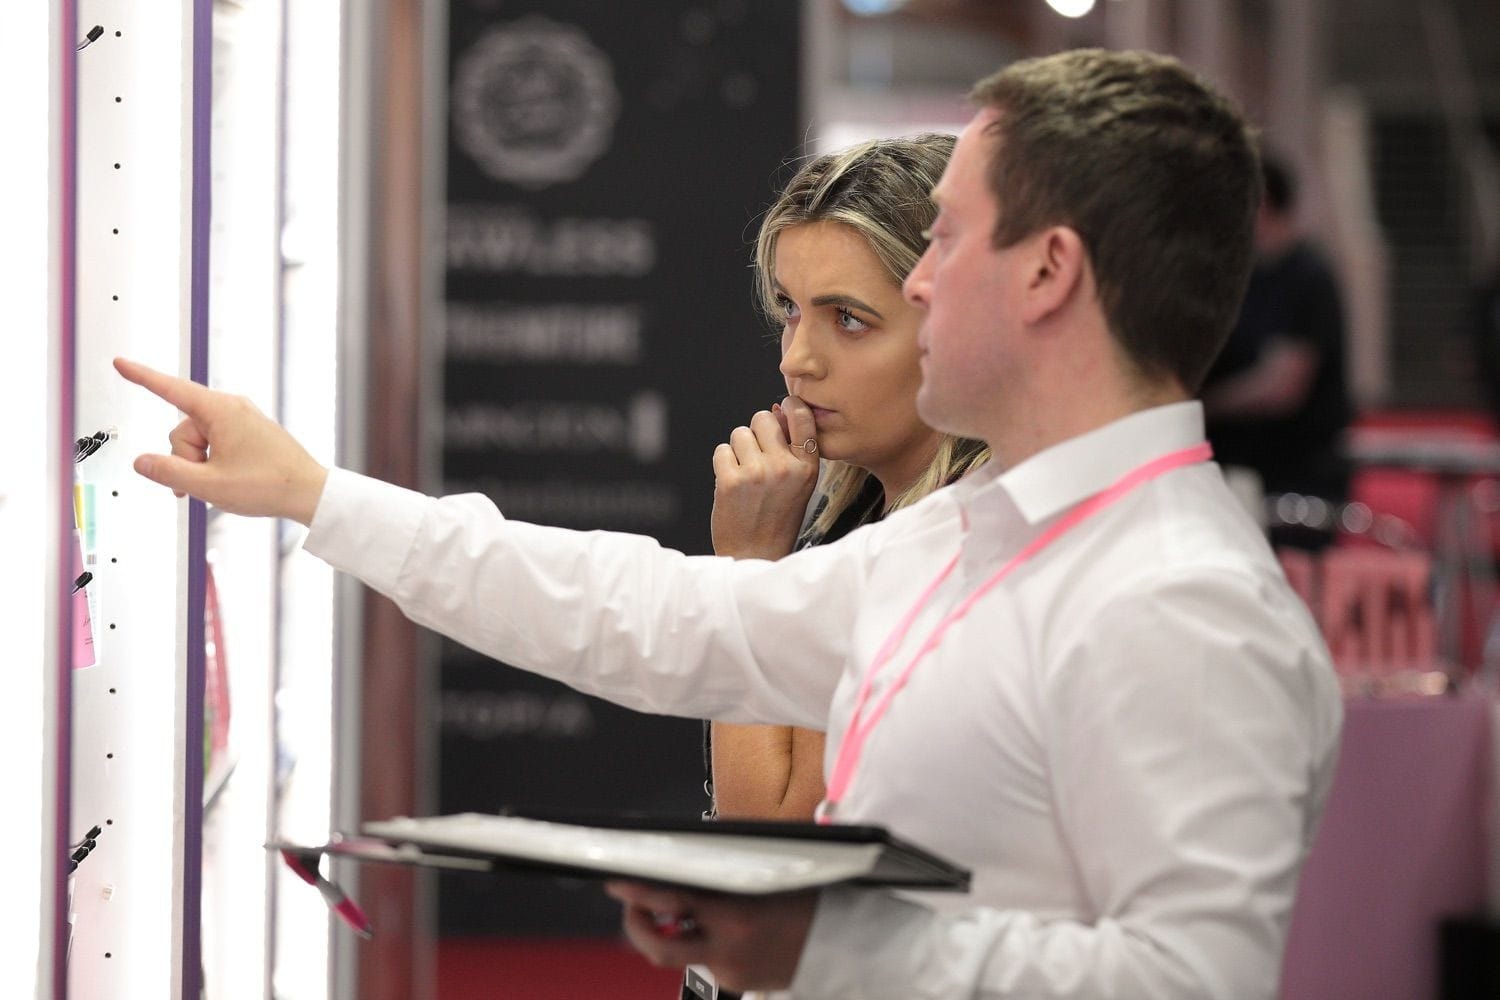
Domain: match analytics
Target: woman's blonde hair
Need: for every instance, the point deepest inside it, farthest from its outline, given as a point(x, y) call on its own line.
point(881, 190)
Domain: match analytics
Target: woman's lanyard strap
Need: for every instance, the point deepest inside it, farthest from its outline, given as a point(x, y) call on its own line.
point(851, 748)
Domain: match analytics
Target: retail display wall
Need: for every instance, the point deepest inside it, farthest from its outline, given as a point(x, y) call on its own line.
point(133, 898)
point(163, 204)
point(241, 555)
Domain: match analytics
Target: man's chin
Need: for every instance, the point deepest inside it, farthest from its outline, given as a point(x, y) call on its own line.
point(926, 406)
point(937, 416)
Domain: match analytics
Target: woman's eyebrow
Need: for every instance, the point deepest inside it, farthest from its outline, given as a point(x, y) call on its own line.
point(846, 300)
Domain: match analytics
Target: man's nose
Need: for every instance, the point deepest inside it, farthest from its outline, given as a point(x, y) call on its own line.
point(915, 288)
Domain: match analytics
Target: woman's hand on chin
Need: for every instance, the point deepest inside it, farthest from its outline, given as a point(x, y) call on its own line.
point(763, 478)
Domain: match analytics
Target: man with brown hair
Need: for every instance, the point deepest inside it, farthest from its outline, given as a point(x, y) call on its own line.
point(1154, 173)
point(1078, 671)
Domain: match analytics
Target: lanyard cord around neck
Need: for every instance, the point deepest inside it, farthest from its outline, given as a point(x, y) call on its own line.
point(851, 748)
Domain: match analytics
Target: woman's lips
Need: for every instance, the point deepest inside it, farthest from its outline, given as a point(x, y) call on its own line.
point(820, 413)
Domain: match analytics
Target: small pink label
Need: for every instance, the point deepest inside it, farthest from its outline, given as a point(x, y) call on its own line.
point(83, 627)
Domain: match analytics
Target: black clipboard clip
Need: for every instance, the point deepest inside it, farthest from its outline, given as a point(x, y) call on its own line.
point(86, 446)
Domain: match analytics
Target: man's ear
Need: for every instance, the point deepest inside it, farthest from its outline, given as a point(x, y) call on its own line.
point(1056, 272)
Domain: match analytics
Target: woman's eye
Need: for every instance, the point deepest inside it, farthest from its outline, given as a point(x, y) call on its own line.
point(787, 306)
point(850, 323)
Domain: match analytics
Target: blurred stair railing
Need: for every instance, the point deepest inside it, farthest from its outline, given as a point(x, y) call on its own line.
point(1358, 243)
point(1478, 164)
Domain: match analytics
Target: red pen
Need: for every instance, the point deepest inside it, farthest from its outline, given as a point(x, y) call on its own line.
point(674, 925)
point(305, 864)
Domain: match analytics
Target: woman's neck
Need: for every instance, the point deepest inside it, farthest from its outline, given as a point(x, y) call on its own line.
point(898, 477)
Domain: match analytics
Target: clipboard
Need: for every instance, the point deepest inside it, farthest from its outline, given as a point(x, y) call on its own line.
point(728, 856)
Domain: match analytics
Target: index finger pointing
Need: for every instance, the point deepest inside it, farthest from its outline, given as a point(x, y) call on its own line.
point(185, 395)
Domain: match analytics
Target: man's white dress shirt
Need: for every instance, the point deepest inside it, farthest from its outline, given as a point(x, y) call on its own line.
point(1128, 740)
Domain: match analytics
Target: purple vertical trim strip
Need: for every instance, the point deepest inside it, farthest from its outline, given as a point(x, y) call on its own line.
point(67, 287)
point(192, 860)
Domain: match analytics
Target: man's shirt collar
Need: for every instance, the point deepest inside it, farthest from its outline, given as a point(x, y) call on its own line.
point(1055, 479)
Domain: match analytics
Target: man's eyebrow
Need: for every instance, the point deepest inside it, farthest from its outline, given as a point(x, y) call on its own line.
point(848, 301)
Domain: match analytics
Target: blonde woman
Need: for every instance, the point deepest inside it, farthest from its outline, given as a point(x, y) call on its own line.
point(832, 253)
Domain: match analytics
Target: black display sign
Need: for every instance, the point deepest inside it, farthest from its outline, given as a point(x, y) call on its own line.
point(607, 164)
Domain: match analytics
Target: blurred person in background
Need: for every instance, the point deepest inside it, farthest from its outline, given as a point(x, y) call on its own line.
point(1276, 399)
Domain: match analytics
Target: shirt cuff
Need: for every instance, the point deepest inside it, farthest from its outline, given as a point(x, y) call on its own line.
point(862, 943)
point(365, 527)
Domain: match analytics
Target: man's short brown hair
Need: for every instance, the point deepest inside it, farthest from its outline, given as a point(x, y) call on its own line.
point(1156, 173)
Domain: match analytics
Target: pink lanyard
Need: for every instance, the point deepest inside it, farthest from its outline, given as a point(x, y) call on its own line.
point(853, 744)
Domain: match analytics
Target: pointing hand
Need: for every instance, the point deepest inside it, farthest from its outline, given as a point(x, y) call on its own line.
point(228, 453)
